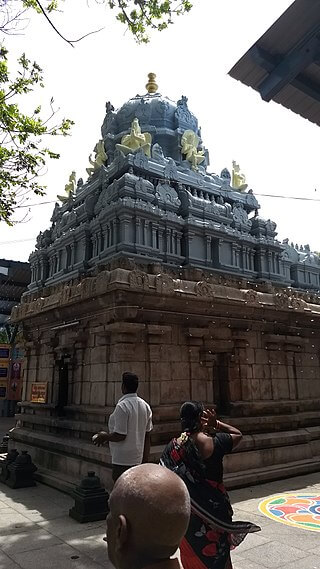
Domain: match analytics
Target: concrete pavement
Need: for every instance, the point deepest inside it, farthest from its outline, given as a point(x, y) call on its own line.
point(6, 423)
point(37, 533)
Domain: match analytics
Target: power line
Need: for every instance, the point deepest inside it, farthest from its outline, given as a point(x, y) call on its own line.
point(17, 241)
point(300, 198)
point(34, 204)
point(289, 197)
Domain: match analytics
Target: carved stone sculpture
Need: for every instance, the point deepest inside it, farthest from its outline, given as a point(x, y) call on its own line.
point(69, 188)
point(225, 175)
point(157, 153)
point(238, 179)
point(99, 159)
point(189, 148)
point(131, 143)
point(109, 108)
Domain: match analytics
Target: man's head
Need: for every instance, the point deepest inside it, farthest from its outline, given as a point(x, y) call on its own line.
point(149, 515)
point(130, 382)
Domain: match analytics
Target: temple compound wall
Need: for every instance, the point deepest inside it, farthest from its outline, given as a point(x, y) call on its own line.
point(156, 266)
point(251, 350)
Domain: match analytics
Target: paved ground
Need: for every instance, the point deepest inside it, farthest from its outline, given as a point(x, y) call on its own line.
point(6, 423)
point(37, 533)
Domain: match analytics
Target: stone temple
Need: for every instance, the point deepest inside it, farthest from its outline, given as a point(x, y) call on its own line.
point(156, 266)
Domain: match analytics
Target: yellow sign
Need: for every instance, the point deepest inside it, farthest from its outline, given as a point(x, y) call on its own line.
point(39, 392)
point(3, 388)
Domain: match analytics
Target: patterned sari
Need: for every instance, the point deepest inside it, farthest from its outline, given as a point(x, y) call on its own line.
point(211, 533)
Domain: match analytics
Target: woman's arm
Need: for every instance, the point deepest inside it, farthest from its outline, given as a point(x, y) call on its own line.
point(209, 420)
point(236, 435)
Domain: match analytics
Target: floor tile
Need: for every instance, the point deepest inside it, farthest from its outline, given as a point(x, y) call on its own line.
point(56, 557)
point(273, 554)
point(312, 562)
point(27, 541)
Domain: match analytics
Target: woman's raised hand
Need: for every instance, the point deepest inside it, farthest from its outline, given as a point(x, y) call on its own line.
point(209, 419)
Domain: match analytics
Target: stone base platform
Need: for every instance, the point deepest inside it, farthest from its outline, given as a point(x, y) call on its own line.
point(62, 463)
point(250, 349)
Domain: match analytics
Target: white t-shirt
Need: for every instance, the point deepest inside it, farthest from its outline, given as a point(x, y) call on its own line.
point(132, 417)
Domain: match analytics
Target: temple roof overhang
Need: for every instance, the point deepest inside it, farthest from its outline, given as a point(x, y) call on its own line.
point(284, 64)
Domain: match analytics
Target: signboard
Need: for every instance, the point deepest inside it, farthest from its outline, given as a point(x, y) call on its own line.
point(3, 389)
point(16, 370)
point(39, 392)
point(15, 382)
point(4, 352)
point(4, 369)
point(17, 353)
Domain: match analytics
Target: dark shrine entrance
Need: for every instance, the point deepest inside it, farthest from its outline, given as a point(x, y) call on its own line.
point(63, 373)
point(221, 389)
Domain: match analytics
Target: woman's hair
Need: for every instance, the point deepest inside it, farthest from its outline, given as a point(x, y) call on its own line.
point(190, 415)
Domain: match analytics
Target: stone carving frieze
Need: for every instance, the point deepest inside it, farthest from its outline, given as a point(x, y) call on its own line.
point(240, 218)
point(102, 281)
point(157, 154)
point(87, 287)
point(143, 111)
point(183, 116)
point(165, 284)
point(204, 288)
point(170, 170)
point(296, 303)
point(139, 280)
point(145, 187)
point(140, 160)
point(281, 301)
point(161, 108)
point(251, 296)
point(166, 194)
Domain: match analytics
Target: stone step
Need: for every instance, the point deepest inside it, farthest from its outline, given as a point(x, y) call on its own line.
point(232, 481)
point(276, 472)
point(61, 482)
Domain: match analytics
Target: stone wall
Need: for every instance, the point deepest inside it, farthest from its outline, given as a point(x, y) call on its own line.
point(251, 350)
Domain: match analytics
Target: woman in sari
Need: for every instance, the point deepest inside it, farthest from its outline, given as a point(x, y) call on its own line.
point(197, 457)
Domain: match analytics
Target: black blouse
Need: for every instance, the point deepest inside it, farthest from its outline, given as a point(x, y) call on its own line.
point(214, 464)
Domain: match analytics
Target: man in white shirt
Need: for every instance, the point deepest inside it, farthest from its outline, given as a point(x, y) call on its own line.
point(129, 427)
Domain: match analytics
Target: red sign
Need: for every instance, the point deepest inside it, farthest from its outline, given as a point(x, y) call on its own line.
point(15, 382)
point(16, 370)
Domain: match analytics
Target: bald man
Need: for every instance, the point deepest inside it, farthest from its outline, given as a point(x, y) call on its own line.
point(149, 515)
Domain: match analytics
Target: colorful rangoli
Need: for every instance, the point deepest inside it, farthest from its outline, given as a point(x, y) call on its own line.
point(298, 510)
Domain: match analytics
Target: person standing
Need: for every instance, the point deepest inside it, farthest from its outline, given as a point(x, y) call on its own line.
point(148, 517)
point(129, 427)
point(197, 457)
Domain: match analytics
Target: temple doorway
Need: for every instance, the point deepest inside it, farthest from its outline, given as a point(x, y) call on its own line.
point(221, 391)
point(63, 373)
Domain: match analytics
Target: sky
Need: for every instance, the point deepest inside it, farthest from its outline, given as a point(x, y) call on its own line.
point(276, 149)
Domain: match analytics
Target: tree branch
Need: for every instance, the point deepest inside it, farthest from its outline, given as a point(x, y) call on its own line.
point(70, 42)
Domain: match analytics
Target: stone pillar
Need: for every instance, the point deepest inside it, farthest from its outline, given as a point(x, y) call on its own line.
point(138, 226)
point(208, 250)
point(154, 229)
point(125, 226)
point(126, 352)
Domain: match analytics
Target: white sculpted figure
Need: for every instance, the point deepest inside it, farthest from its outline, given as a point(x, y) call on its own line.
point(238, 178)
point(189, 148)
point(99, 159)
point(132, 142)
point(69, 188)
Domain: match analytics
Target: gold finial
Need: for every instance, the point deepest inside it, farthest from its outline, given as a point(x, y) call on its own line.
point(151, 86)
